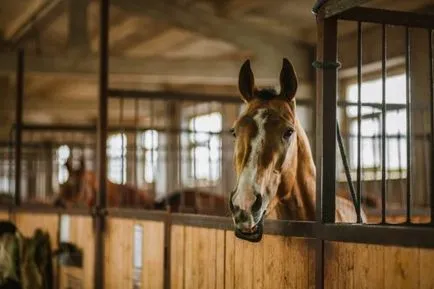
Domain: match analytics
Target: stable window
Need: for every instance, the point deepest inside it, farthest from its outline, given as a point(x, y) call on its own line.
point(371, 131)
point(62, 155)
point(147, 153)
point(116, 154)
point(204, 148)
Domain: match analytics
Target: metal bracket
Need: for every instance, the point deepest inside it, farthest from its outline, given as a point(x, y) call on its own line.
point(326, 64)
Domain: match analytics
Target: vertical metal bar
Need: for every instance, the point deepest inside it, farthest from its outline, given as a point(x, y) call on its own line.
point(326, 133)
point(179, 131)
point(136, 139)
point(383, 123)
point(408, 108)
point(347, 171)
point(359, 119)
point(11, 156)
point(325, 137)
point(431, 86)
point(152, 167)
point(102, 144)
point(122, 133)
point(18, 125)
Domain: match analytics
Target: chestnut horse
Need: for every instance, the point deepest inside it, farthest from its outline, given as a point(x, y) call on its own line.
point(196, 201)
point(273, 161)
point(82, 185)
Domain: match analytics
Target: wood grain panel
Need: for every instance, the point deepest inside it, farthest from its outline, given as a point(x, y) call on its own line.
point(153, 255)
point(426, 268)
point(368, 266)
point(27, 223)
point(81, 234)
point(119, 252)
point(177, 257)
point(230, 260)
point(4, 215)
point(362, 266)
point(402, 267)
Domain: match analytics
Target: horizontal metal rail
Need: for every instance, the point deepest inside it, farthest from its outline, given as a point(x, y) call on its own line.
point(388, 17)
point(390, 234)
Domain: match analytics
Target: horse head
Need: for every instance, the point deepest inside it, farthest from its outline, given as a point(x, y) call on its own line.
point(265, 144)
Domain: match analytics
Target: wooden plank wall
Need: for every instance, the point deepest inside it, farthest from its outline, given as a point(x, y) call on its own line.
point(27, 223)
point(211, 258)
point(360, 266)
point(81, 234)
point(119, 254)
point(4, 215)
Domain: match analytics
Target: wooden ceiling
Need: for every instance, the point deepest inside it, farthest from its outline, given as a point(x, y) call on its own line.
point(186, 45)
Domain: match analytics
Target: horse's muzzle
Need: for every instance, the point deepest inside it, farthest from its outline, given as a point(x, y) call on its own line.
point(255, 236)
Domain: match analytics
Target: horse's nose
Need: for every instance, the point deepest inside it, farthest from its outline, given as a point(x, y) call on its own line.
point(252, 204)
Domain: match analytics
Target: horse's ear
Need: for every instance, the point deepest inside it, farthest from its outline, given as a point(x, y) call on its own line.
point(288, 80)
point(246, 81)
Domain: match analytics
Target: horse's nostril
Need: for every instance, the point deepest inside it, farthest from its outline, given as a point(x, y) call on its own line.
point(242, 216)
point(257, 204)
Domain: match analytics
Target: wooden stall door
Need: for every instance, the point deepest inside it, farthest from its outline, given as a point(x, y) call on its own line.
point(123, 267)
point(360, 266)
point(4, 215)
point(79, 231)
point(211, 258)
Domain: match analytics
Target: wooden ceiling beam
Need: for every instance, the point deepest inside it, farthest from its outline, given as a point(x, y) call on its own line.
point(36, 21)
point(217, 71)
point(78, 36)
point(268, 46)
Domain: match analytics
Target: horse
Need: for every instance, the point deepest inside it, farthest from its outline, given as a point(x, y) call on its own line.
point(196, 201)
point(81, 187)
point(273, 161)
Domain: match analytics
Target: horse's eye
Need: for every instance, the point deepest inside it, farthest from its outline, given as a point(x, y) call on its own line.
point(287, 134)
point(233, 132)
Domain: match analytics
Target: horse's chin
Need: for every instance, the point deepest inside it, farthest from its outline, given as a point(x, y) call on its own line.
point(254, 236)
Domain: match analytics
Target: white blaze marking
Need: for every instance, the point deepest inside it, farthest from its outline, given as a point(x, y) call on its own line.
point(244, 196)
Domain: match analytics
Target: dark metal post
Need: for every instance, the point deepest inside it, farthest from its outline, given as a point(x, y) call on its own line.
point(383, 125)
point(18, 126)
point(359, 120)
point(102, 144)
point(325, 135)
point(326, 131)
point(431, 86)
point(408, 106)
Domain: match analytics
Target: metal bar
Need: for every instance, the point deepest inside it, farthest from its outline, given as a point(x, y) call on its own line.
point(431, 86)
point(122, 133)
point(408, 102)
point(11, 156)
point(328, 153)
point(383, 123)
point(404, 236)
point(359, 119)
point(326, 83)
point(92, 129)
point(102, 143)
point(335, 7)
point(136, 139)
point(380, 16)
point(18, 128)
point(356, 202)
point(152, 167)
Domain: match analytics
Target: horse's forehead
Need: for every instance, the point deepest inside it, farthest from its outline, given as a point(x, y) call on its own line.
point(270, 111)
